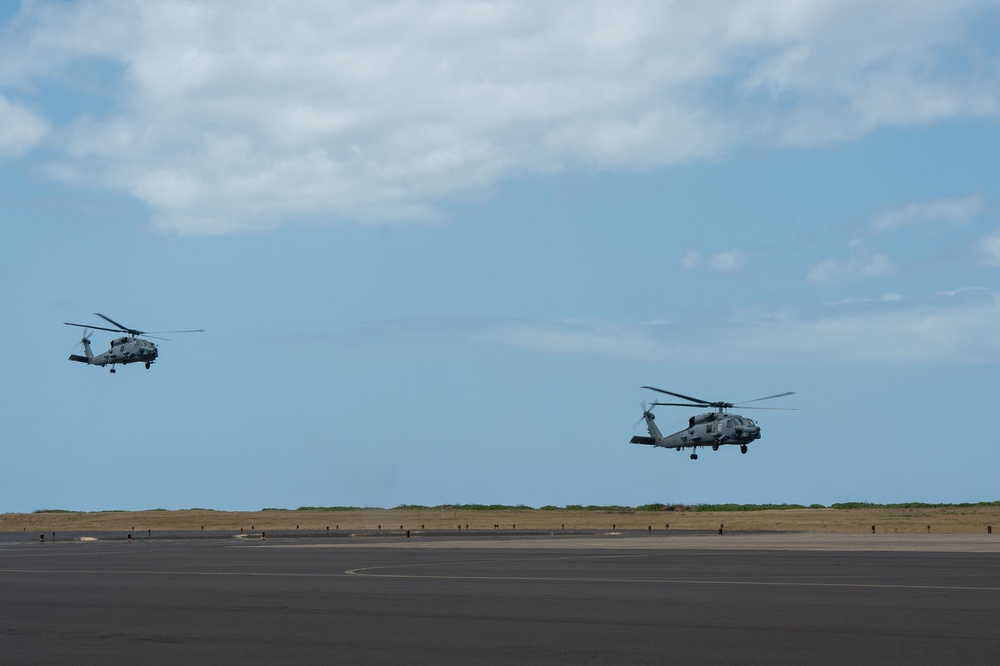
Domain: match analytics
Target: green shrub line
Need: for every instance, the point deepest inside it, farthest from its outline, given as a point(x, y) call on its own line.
point(615, 508)
point(612, 508)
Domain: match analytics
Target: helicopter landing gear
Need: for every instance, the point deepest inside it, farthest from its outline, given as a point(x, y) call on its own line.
point(694, 456)
point(743, 448)
point(147, 365)
point(715, 447)
point(112, 371)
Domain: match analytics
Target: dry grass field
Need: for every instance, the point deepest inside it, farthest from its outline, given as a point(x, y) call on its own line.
point(939, 520)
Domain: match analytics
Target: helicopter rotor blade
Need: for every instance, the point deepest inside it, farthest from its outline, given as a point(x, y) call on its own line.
point(773, 409)
point(680, 404)
point(645, 410)
point(678, 395)
point(84, 340)
point(99, 328)
point(779, 395)
point(126, 329)
point(194, 330)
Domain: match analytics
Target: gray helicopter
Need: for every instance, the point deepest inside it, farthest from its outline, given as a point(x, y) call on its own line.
point(710, 429)
point(124, 350)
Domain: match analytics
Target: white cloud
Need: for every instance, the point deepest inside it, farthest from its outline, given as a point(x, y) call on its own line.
point(989, 248)
point(953, 327)
point(922, 212)
point(862, 264)
point(244, 115)
point(691, 260)
point(20, 129)
point(727, 261)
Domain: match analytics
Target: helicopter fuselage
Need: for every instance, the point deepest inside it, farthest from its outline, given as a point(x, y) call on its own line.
point(713, 429)
point(709, 429)
point(127, 349)
point(124, 350)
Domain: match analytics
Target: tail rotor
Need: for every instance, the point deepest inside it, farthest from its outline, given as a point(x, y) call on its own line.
point(647, 410)
point(84, 341)
point(83, 345)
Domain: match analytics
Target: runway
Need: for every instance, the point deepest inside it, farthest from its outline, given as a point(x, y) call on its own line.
point(587, 599)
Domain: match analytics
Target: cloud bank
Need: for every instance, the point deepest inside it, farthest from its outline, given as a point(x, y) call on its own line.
point(233, 116)
point(914, 213)
point(951, 327)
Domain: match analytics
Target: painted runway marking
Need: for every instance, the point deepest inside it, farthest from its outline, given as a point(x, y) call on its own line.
point(111, 572)
point(372, 572)
point(378, 572)
point(384, 571)
point(364, 572)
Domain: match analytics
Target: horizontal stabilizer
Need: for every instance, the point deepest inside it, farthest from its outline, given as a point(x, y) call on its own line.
point(78, 358)
point(642, 440)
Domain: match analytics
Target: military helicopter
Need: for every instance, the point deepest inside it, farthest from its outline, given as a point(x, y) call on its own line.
point(124, 350)
point(711, 429)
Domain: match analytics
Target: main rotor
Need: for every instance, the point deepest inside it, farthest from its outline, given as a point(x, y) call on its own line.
point(125, 329)
point(720, 406)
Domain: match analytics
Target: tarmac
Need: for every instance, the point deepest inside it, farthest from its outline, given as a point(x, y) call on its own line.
point(497, 598)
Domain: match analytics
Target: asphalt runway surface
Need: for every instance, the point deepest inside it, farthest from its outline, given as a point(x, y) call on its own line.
point(584, 599)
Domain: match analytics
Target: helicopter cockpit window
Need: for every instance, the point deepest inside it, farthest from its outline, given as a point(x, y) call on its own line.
point(729, 422)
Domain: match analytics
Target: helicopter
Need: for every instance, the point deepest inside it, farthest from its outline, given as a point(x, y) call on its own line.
point(710, 429)
point(124, 350)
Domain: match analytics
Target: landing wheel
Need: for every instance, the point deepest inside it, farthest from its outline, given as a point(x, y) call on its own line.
point(694, 456)
point(715, 447)
point(112, 371)
point(743, 448)
point(147, 365)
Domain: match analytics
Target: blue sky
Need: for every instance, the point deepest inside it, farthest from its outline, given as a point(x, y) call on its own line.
point(437, 249)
